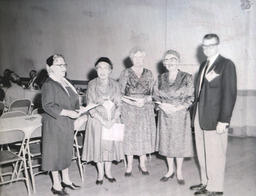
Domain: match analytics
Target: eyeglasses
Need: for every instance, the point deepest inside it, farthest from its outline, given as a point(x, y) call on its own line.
point(61, 65)
point(171, 59)
point(210, 45)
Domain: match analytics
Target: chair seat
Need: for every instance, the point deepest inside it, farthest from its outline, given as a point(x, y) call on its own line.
point(8, 157)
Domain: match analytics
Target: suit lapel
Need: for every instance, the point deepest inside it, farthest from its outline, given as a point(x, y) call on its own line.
point(199, 78)
point(215, 63)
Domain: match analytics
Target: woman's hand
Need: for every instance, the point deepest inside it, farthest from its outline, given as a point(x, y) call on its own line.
point(70, 113)
point(167, 108)
point(108, 123)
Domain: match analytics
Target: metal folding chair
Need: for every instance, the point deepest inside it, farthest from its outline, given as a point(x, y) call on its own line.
point(23, 105)
point(7, 158)
point(13, 114)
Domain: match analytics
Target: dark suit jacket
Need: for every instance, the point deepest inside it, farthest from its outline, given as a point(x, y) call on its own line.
point(217, 98)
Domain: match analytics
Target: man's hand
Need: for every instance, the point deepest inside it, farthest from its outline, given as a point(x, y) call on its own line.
point(221, 127)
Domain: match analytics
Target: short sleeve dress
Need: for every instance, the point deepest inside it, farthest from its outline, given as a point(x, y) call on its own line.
point(140, 126)
point(95, 149)
point(174, 130)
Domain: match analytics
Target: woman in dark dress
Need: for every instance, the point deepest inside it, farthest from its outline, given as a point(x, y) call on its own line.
point(59, 101)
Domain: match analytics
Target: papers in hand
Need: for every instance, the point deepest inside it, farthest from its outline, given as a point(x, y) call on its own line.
point(90, 106)
point(115, 133)
point(133, 98)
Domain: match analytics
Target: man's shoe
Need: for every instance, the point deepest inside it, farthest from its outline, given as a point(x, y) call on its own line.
point(197, 187)
point(210, 193)
point(202, 191)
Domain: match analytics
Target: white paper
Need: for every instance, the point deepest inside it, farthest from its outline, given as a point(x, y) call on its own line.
point(115, 133)
point(211, 75)
point(87, 108)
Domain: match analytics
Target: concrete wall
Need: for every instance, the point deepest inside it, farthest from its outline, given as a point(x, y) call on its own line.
point(83, 30)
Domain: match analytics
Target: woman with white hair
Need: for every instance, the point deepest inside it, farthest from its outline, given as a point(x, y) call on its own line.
point(173, 92)
point(137, 111)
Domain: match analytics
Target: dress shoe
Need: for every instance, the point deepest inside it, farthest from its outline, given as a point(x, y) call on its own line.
point(181, 181)
point(110, 179)
point(99, 182)
point(197, 187)
point(164, 178)
point(61, 192)
point(202, 191)
point(128, 174)
point(145, 173)
point(70, 186)
point(210, 193)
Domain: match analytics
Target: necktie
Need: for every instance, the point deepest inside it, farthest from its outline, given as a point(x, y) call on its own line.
point(203, 79)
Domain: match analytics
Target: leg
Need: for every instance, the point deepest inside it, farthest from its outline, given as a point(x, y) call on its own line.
point(170, 167)
point(56, 182)
point(179, 168)
point(200, 150)
point(129, 164)
point(142, 162)
point(216, 158)
point(100, 167)
point(65, 176)
point(108, 165)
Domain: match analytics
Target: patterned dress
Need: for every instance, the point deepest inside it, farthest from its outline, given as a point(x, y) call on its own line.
point(174, 130)
point(95, 149)
point(140, 127)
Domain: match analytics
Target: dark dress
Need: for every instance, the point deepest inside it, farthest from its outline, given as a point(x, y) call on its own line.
point(58, 131)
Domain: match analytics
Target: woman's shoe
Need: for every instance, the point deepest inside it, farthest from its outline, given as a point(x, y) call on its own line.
point(70, 186)
point(99, 182)
point(61, 192)
point(164, 178)
point(110, 179)
point(181, 181)
point(128, 174)
point(143, 172)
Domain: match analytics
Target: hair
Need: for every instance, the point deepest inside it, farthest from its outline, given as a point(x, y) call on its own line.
point(50, 60)
point(212, 35)
point(134, 50)
point(105, 60)
point(172, 52)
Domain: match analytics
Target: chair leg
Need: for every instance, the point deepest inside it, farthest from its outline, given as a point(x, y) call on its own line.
point(79, 159)
point(31, 168)
point(26, 174)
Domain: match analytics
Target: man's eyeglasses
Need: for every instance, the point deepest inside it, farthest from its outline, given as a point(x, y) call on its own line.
point(171, 59)
point(210, 45)
point(61, 65)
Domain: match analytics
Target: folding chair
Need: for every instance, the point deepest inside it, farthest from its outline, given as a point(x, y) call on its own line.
point(19, 160)
point(23, 105)
point(13, 114)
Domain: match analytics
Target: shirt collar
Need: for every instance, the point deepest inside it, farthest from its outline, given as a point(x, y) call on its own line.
point(212, 59)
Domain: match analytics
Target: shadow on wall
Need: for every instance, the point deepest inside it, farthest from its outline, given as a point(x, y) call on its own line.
point(127, 62)
point(92, 74)
point(200, 56)
point(161, 68)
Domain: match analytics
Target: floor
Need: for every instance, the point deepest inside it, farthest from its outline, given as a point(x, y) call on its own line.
point(240, 177)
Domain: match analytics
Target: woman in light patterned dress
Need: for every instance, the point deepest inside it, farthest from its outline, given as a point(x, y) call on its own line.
point(137, 111)
point(102, 90)
point(173, 93)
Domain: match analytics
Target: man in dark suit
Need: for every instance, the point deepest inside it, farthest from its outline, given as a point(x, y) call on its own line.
point(215, 96)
